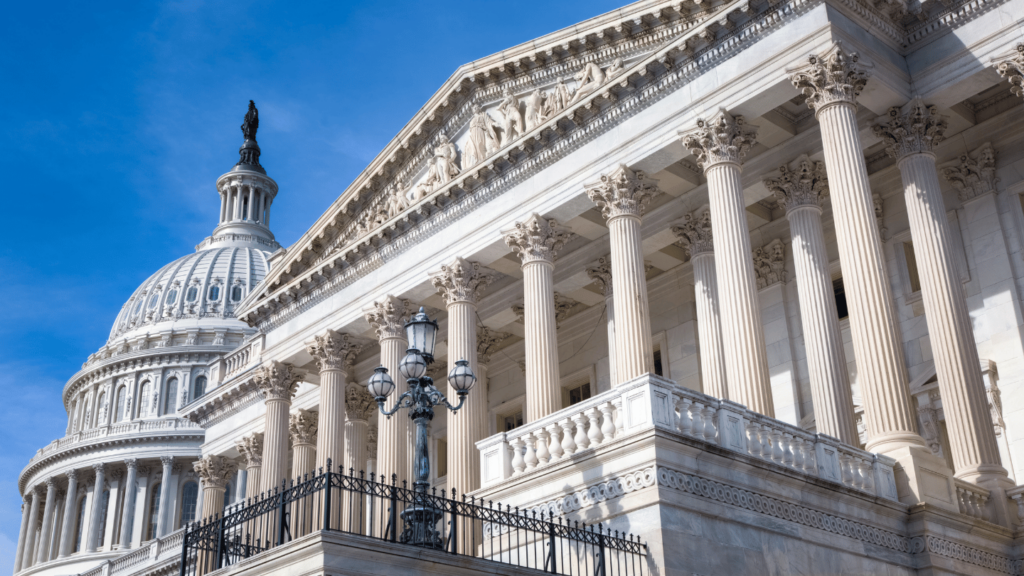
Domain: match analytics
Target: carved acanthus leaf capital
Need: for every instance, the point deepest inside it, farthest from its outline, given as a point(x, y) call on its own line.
point(303, 426)
point(331, 350)
point(912, 129)
point(694, 233)
point(537, 239)
point(770, 264)
point(724, 138)
point(277, 380)
point(462, 281)
point(388, 317)
point(487, 342)
point(214, 471)
point(624, 192)
point(802, 183)
point(601, 272)
point(834, 77)
point(251, 449)
point(973, 174)
point(72, 475)
point(359, 405)
point(1012, 68)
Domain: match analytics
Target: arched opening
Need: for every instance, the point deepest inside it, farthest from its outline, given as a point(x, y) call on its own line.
point(143, 402)
point(199, 387)
point(154, 511)
point(236, 293)
point(119, 405)
point(101, 409)
point(170, 406)
point(189, 499)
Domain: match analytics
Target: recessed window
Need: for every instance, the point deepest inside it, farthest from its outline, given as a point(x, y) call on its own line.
point(171, 296)
point(579, 394)
point(512, 421)
point(153, 300)
point(142, 300)
point(119, 405)
point(192, 294)
point(154, 510)
point(908, 253)
point(658, 369)
point(840, 293)
point(199, 387)
point(189, 498)
point(214, 293)
point(172, 392)
point(236, 293)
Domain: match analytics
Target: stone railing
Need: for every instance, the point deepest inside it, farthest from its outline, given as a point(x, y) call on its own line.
point(152, 552)
point(651, 402)
point(119, 429)
point(242, 358)
point(972, 499)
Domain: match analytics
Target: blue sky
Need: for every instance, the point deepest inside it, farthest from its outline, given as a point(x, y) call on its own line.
point(116, 119)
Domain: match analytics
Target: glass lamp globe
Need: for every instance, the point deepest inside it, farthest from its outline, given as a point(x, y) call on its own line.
point(413, 366)
point(461, 378)
point(380, 385)
point(422, 334)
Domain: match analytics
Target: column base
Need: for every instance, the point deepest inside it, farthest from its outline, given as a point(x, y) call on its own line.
point(923, 477)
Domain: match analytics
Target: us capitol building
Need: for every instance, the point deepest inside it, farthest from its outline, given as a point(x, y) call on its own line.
point(721, 288)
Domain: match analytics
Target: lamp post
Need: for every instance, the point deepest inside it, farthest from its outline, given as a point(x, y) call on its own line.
point(421, 518)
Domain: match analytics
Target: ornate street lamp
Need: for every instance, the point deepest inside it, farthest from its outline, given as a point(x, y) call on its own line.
point(421, 518)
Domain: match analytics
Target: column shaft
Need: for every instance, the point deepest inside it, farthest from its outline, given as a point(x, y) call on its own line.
point(355, 462)
point(330, 440)
point(166, 490)
point(128, 511)
point(633, 350)
point(709, 325)
point(28, 554)
point(252, 204)
point(543, 387)
point(95, 528)
point(463, 426)
point(393, 434)
point(275, 445)
point(26, 515)
point(43, 546)
point(609, 308)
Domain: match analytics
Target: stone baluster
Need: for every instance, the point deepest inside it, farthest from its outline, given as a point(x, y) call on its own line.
point(278, 382)
point(537, 242)
point(594, 433)
point(128, 508)
point(601, 272)
point(607, 425)
point(720, 145)
point(543, 455)
point(554, 432)
point(753, 439)
point(530, 456)
point(1012, 68)
point(568, 442)
point(623, 196)
point(518, 462)
point(387, 317)
point(684, 421)
point(581, 439)
point(799, 188)
point(696, 420)
point(708, 414)
point(694, 233)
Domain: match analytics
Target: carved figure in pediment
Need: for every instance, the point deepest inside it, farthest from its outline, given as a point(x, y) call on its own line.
point(615, 69)
point(445, 165)
point(559, 99)
point(397, 201)
point(512, 125)
point(483, 140)
point(588, 80)
point(535, 110)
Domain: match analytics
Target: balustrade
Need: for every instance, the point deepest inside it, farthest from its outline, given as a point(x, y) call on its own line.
point(972, 499)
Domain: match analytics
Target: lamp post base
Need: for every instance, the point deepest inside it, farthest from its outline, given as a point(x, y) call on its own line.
point(420, 521)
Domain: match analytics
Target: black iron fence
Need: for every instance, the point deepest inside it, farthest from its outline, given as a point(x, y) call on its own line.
point(334, 501)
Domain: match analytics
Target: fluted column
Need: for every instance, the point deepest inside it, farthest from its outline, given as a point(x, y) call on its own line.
point(832, 83)
point(96, 516)
point(393, 434)
point(537, 242)
point(799, 191)
point(214, 473)
point(720, 145)
point(29, 556)
point(460, 283)
point(622, 196)
point(42, 547)
point(303, 428)
point(251, 449)
point(67, 527)
point(695, 235)
point(330, 351)
point(359, 406)
point(278, 382)
point(1012, 68)
point(128, 508)
point(167, 465)
point(601, 272)
point(26, 517)
point(910, 134)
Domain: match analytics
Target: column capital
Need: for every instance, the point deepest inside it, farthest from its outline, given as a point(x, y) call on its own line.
point(723, 138)
point(72, 475)
point(167, 461)
point(303, 426)
point(277, 380)
point(1012, 68)
point(537, 239)
point(694, 233)
point(388, 316)
point(911, 129)
point(462, 280)
point(487, 342)
point(801, 183)
point(214, 471)
point(331, 350)
point(601, 272)
point(359, 405)
point(100, 468)
point(623, 192)
point(835, 77)
point(251, 449)
point(973, 174)
point(770, 263)
point(132, 463)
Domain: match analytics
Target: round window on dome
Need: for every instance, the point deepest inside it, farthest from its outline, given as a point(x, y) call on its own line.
point(172, 296)
point(214, 293)
point(236, 293)
point(192, 294)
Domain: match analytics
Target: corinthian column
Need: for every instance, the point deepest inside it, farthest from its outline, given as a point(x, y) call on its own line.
point(96, 517)
point(459, 283)
point(359, 406)
point(251, 449)
point(278, 382)
point(303, 426)
point(720, 145)
point(910, 134)
point(166, 490)
point(1012, 68)
point(26, 518)
point(695, 235)
point(622, 196)
point(537, 241)
point(214, 474)
point(799, 191)
point(601, 272)
point(67, 526)
point(331, 350)
point(128, 509)
point(28, 553)
point(393, 434)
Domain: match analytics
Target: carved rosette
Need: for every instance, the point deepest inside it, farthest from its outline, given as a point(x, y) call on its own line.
point(359, 405)
point(973, 174)
point(303, 425)
point(487, 342)
point(388, 317)
point(913, 129)
point(214, 471)
point(601, 272)
point(277, 380)
point(770, 264)
point(1013, 70)
point(694, 233)
point(537, 239)
point(723, 139)
point(832, 78)
point(462, 281)
point(803, 185)
point(624, 192)
point(331, 350)
point(251, 449)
